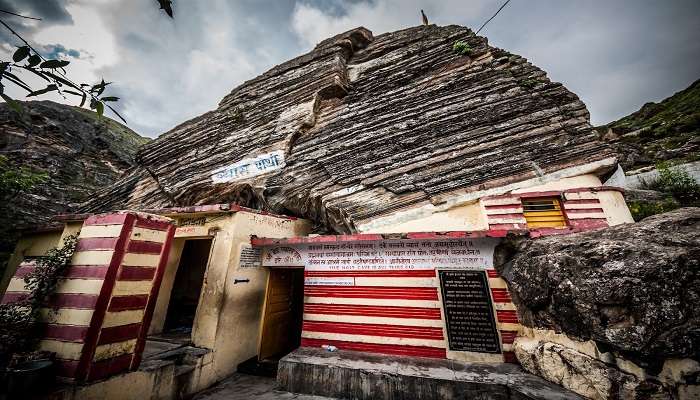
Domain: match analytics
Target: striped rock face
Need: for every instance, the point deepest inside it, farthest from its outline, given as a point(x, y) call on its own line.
point(364, 127)
point(97, 320)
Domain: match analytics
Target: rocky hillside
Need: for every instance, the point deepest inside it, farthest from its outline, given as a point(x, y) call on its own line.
point(666, 131)
point(77, 152)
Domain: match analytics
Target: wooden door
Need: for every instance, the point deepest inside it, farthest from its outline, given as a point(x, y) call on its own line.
point(278, 322)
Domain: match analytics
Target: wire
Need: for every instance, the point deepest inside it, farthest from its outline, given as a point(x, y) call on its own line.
point(18, 15)
point(494, 16)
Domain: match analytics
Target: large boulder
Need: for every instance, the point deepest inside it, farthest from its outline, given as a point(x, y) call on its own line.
point(613, 313)
point(634, 288)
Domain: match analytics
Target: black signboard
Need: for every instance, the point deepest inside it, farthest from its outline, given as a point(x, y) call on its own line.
point(468, 311)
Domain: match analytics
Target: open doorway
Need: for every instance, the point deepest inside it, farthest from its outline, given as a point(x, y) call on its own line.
point(187, 287)
point(282, 319)
point(176, 310)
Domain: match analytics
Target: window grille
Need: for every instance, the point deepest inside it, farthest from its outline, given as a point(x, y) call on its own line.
point(543, 213)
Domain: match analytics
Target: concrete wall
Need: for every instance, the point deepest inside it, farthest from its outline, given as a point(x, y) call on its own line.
point(30, 245)
point(472, 216)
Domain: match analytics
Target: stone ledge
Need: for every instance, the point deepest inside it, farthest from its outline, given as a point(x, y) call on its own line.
point(349, 374)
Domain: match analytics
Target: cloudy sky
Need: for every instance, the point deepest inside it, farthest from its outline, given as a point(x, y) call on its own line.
point(615, 54)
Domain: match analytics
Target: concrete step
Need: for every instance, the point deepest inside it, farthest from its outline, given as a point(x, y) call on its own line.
point(355, 375)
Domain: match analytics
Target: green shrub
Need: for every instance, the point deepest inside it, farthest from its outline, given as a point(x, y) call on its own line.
point(528, 83)
point(676, 182)
point(643, 209)
point(462, 47)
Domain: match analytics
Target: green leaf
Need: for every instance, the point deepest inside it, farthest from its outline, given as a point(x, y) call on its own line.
point(53, 64)
point(16, 80)
point(110, 98)
point(12, 103)
point(34, 60)
point(20, 54)
point(100, 108)
point(82, 102)
point(61, 80)
point(47, 89)
point(73, 92)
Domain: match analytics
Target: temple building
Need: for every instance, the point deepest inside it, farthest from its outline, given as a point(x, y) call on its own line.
point(355, 196)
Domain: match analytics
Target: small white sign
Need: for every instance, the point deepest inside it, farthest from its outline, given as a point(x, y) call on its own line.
point(320, 281)
point(249, 167)
point(250, 256)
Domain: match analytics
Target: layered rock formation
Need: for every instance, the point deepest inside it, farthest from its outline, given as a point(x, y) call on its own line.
point(615, 313)
point(79, 153)
point(370, 126)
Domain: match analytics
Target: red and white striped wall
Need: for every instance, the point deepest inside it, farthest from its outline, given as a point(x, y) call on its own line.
point(582, 209)
point(392, 312)
point(97, 321)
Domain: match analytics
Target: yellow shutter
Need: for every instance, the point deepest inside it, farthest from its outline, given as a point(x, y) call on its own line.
point(543, 213)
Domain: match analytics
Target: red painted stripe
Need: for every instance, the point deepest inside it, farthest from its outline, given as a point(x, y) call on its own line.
point(109, 367)
point(500, 295)
point(411, 351)
point(373, 292)
point(507, 316)
point(144, 247)
point(583, 210)
point(87, 271)
point(123, 303)
point(66, 368)
point(153, 224)
point(416, 332)
point(106, 219)
point(119, 333)
point(129, 273)
point(508, 337)
point(73, 300)
point(374, 311)
point(509, 357)
point(514, 216)
point(582, 201)
point(359, 237)
point(588, 223)
point(24, 270)
point(96, 244)
point(70, 333)
point(418, 273)
point(492, 273)
point(14, 297)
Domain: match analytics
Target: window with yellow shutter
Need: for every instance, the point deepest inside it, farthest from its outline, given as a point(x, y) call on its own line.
point(543, 212)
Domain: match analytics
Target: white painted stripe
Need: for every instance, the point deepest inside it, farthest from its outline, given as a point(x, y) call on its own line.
point(361, 319)
point(505, 306)
point(83, 286)
point(93, 231)
point(507, 326)
point(120, 318)
point(110, 350)
point(123, 288)
point(141, 260)
point(372, 302)
point(497, 283)
point(506, 347)
point(149, 235)
point(597, 215)
point(580, 196)
point(506, 220)
point(374, 339)
point(64, 350)
point(501, 202)
point(16, 285)
point(66, 316)
point(497, 211)
point(92, 257)
point(396, 282)
point(569, 206)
